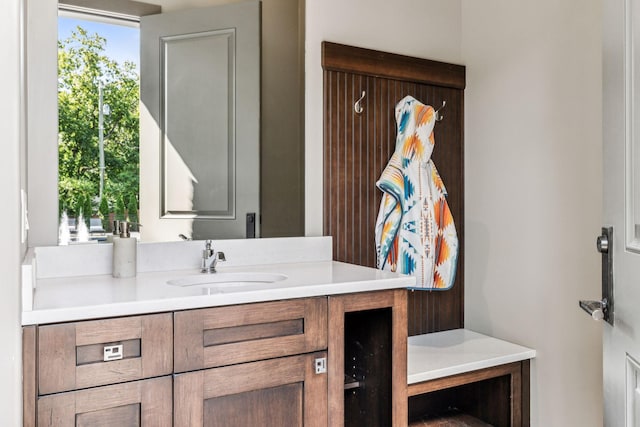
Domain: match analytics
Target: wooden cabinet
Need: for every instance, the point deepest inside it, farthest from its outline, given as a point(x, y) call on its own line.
point(253, 364)
point(99, 372)
point(368, 359)
point(280, 363)
point(223, 336)
point(137, 403)
point(286, 391)
point(496, 396)
point(73, 355)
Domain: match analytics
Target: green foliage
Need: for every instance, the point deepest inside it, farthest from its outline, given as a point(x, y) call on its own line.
point(103, 210)
point(87, 210)
point(82, 65)
point(79, 206)
point(119, 212)
point(132, 211)
point(82, 206)
point(72, 192)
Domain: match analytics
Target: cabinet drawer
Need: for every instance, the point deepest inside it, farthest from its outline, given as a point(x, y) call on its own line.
point(71, 355)
point(138, 403)
point(236, 334)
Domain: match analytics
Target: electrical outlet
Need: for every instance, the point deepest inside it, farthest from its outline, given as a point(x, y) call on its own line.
point(320, 365)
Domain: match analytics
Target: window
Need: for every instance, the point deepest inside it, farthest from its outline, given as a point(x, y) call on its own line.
point(98, 123)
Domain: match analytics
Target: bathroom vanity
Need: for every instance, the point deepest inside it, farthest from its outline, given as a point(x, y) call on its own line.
point(281, 335)
point(323, 346)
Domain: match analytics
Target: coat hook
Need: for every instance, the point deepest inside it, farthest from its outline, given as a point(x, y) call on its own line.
point(439, 116)
point(357, 107)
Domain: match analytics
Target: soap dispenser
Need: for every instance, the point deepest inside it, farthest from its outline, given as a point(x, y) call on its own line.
point(124, 252)
point(116, 231)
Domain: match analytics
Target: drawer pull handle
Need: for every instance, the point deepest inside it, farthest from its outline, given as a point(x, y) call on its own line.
point(112, 352)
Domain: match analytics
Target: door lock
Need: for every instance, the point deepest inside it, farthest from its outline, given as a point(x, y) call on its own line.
point(596, 309)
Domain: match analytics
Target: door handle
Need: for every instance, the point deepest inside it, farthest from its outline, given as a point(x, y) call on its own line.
point(595, 308)
point(603, 309)
point(602, 244)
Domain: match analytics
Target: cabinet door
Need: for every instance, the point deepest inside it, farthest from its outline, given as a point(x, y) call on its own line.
point(273, 393)
point(72, 355)
point(138, 403)
point(220, 336)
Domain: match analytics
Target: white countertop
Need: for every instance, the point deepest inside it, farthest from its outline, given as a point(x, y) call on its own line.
point(51, 296)
point(458, 351)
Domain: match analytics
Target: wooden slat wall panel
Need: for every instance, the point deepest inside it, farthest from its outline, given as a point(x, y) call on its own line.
point(358, 147)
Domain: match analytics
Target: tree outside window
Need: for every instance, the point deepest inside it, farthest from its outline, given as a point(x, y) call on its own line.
point(82, 68)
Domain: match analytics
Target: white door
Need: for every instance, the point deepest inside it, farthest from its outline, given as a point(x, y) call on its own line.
point(621, 132)
point(200, 122)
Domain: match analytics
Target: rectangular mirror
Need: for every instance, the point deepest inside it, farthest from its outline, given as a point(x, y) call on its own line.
point(280, 146)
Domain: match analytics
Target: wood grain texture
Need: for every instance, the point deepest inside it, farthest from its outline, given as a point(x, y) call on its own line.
point(338, 57)
point(103, 373)
point(193, 326)
point(516, 396)
point(253, 332)
point(121, 416)
point(60, 369)
point(108, 330)
point(272, 407)
point(156, 402)
point(335, 363)
point(56, 358)
point(526, 393)
point(399, 357)
point(114, 403)
point(315, 396)
point(357, 147)
point(253, 376)
point(287, 388)
point(498, 395)
point(29, 378)
point(157, 344)
point(338, 307)
point(188, 349)
point(465, 378)
point(188, 399)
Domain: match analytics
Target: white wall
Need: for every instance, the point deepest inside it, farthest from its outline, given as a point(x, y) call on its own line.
point(10, 247)
point(533, 192)
point(532, 167)
point(423, 28)
point(42, 57)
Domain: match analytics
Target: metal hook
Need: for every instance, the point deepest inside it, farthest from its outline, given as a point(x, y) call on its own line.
point(357, 107)
point(439, 116)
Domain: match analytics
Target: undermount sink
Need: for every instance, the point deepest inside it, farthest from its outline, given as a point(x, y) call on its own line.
point(227, 279)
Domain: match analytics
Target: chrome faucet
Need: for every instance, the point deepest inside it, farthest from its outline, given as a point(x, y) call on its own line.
point(210, 258)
